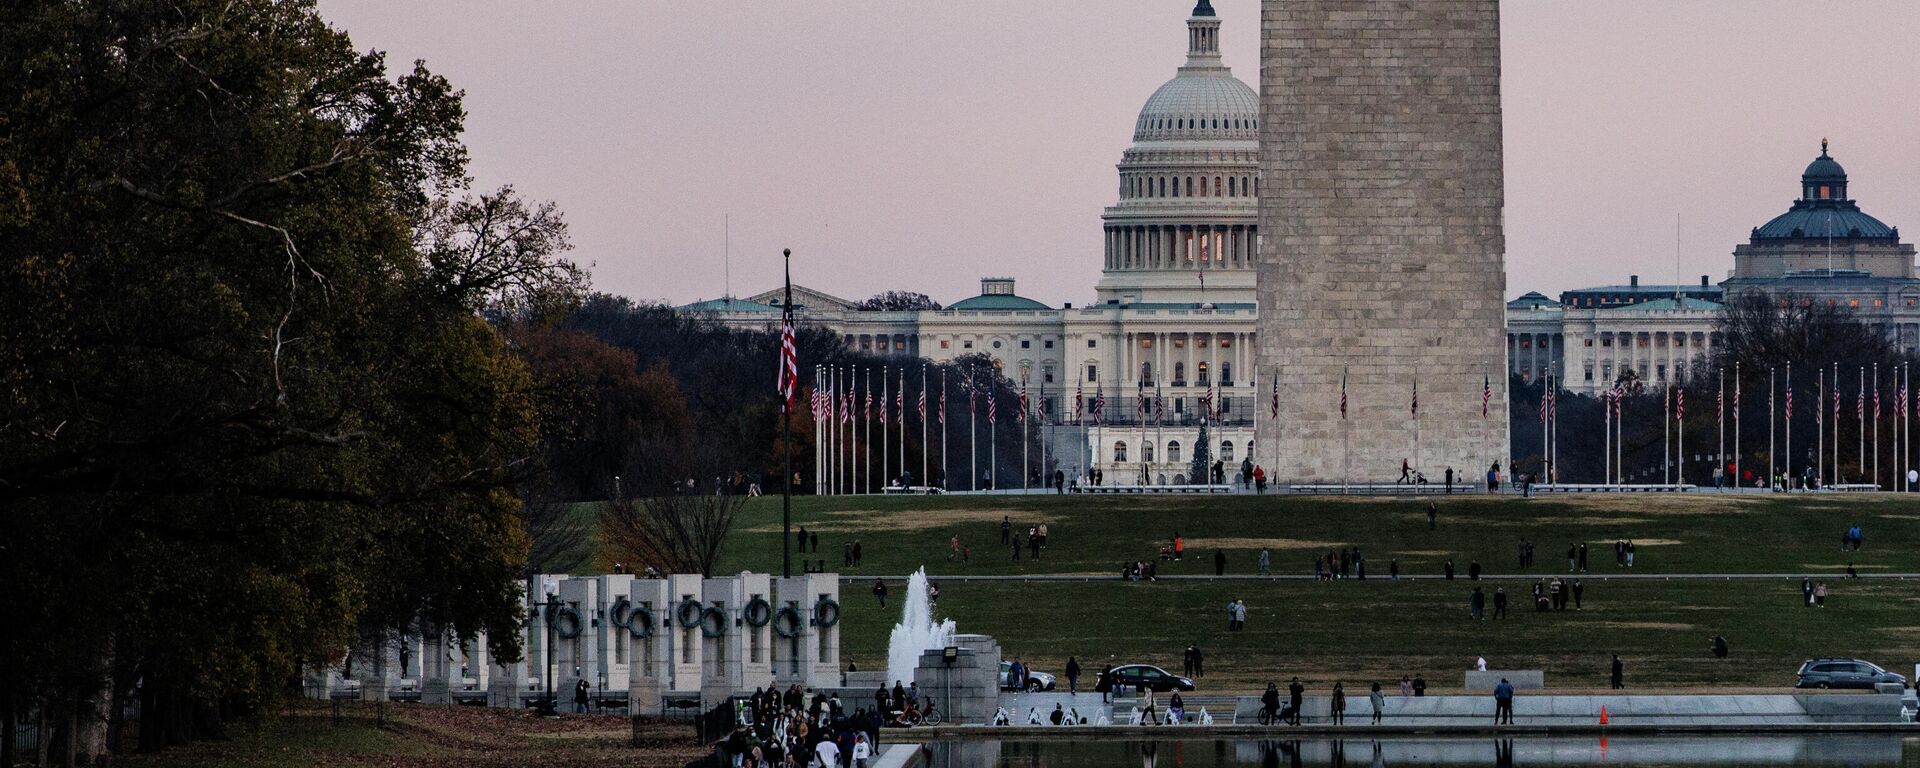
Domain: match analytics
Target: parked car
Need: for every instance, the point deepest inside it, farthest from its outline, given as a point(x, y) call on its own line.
point(1844, 673)
point(1036, 681)
point(1134, 676)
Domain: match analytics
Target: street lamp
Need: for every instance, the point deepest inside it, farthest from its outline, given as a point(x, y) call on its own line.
point(548, 707)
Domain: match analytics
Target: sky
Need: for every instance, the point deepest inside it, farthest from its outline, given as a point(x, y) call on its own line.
point(923, 145)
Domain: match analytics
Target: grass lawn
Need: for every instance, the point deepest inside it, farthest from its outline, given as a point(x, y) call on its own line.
point(417, 735)
point(1698, 533)
point(1379, 630)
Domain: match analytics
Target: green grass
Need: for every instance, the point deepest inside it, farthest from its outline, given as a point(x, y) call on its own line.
point(1094, 535)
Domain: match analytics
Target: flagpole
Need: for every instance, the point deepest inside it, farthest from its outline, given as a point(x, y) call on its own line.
point(926, 438)
point(1680, 437)
point(946, 467)
point(993, 433)
point(1546, 384)
point(1772, 428)
point(1860, 418)
point(1835, 477)
point(1606, 452)
point(900, 403)
point(866, 431)
point(885, 448)
point(786, 428)
point(1876, 424)
point(1026, 470)
point(1820, 428)
point(1787, 426)
point(973, 433)
point(1666, 439)
point(1736, 425)
point(1720, 457)
point(833, 430)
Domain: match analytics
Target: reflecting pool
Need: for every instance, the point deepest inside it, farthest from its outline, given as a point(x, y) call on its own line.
point(1639, 751)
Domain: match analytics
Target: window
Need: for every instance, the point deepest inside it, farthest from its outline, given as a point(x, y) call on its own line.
point(1146, 342)
point(1189, 186)
point(900, 344)
point(1179, 373)
point(1090, 343)
point(945, 344)
point(1201, 369)
point(1026, 344)
point(966, 344)
point(1232, 190)
point(1146, 373)
point(1163, 186)
point(1048, 344)
point(1179, 406)
point(1588, 342)
point(1146, 453)
point(1093, 374)
point(1046, 373)
point(1606, 341)
point(1120, 451)
point(1226, 374)
point(1853, 303)
point(1173, 450)
point(1589, 373)
point(1226, 450)
point(1225, 343)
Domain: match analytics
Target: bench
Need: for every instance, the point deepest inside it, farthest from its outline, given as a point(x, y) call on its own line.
point(1153, 489)
point(1614, 488)
point(916, 490)
point(1853, 488)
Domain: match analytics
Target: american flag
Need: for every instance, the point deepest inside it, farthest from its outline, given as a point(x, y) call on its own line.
point(846, 414)
point(1876, 398)
point(1680, 405)
point(1023, 401)
point(1486, 393)
point(900, 397)
point(1343, 394)
point(973, 401)
point(1900, 402)
point(923, 397)
point(1079, 401)
point(1206, 401)
point(869, 404)
point(1553, 404)
point(1818, 412)
point(1836, 397)
point(1789, 401)
point(787, 381)
point(1040, 406)
point(943, 400)
point(993, 405)
point(883, 398)
point(1140, 403)
point(1416, 398)
point(1273, 407)
point(1159, 409)
point(1736, 394)
point(1860, 402)
point(1099, 405)
point(1543, 408)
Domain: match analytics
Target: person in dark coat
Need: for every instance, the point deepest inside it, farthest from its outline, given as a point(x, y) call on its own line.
point(1219, 563)
point(1500, 602)
point(1473, 570)
point(1477, 604)
point(1269, 704)
point(1449, 569)
point(1295, 691)
point(880, 592)
point(580, 697)
point(1618, 673)
point(1073, 675)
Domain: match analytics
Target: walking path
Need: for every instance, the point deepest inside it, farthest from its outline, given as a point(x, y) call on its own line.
point(1087, 577)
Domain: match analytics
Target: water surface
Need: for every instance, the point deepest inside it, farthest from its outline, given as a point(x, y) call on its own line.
point(1635, 751)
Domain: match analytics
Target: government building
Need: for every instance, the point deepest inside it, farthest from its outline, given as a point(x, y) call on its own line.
point(1174, 312)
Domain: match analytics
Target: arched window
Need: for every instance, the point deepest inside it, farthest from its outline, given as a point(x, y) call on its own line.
point(1120, 451)
point(1163, 187)
point(1189, 186)
point(1226, 373)
point(1201, 369)
point(1173, 450)
point(1231, 191)
point(1146, 453)
point(1203, 186)
point(1146, 373)
point(1176, 187)
point(1226, 450)
point(1216, 186)
point(1179, 373)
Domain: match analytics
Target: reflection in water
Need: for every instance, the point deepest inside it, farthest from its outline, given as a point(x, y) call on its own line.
point(1635, 751)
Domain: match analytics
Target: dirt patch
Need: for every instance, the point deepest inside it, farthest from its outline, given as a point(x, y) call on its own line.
point(1426, 552)
point(1897, 516)
point(1656, 542)
point(1662, 625)
point(870, 521)
point(1656, 504)
point(1607, 521)
point(1843, 566)
point(1251, 543)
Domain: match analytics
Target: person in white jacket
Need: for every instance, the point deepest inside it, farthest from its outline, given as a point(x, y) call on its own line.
point(861, 751)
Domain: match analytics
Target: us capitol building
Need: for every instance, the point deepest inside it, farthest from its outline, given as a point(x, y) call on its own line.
point(1174, 309)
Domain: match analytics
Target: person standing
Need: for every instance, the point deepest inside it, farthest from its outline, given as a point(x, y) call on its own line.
point(880, 592)
point(1477, 604)
point(1017, 546)
point(1379, 702)
point(1406, 686)
point(1073, 675)
point(1493, 478)
point(1266, 562)
point(1806, 591)
point(1473, 570)
point(1573, 557)
point(1006, 529)
point(1338, 707)
point(1820, 595)
point(580, 696)
point(1186, 656)
point(1200, 659)
point(1419, 685)
point(1219, 562)
point(1393, 569)
point(1449, 477)
point(1503, 703)
point(1629, 553)
point(1500, 602)
point(1617, 674)
point(813, 542)
point(1579, 591)
point(1583, 557)
point(1179, 546)
point(1449, 569)
point(1269, 704)
point(1295, 691)
point(1433, 515)
point(1104, 683)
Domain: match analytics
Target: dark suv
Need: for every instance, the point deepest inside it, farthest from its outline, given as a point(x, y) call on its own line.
point(1844, 673)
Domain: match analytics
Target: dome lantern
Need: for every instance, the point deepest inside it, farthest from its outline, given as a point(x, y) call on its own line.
point(1824, 179)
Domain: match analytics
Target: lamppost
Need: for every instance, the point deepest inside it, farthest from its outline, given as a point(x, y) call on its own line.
point(548, 707)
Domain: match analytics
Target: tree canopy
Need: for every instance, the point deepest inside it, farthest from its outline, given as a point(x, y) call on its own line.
point(250, 408)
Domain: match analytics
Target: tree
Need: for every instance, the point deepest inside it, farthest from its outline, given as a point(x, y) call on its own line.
point(1200, 470)
point(249, 410)
point(897, 301)
point(676, 533)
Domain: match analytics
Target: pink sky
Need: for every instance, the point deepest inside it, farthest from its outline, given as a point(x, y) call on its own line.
point(922, 145)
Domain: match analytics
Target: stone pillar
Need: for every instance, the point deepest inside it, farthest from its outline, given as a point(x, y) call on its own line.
point(436, 675)
point(611, 639)
point(649, 649)
point(968, 690)
point(813, 658)
point(688, 644)
point(505, 682)
point(576, 641)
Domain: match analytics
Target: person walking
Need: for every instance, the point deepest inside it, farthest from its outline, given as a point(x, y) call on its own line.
point(1147, 708)
point(1017, 546)
point(1219, 562)
point(1104, 683)
point(1617, 674)
point(880, 592)
point(1503, 703)
point(580, 696)
point(1477, 604)
point(1200, 660)
point(1500, 602)
point(1266, 562)
point(1433, 515)
point(1338, 707)
point(1295, 692)
point(1073, 675)
point(1379, 702)
point(1806, 591)
point(1449, 569)
point(1820, 595)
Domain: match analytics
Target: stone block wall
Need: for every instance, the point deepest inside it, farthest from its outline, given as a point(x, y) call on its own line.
point(1382, 249)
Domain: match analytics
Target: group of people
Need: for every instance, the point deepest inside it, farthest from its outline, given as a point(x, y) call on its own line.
point(1034, 542)
point(1814, 594)
point(1343, 563)
point(1850, 541)
point(785, 729)
point(808, 542)
point(1236, 615)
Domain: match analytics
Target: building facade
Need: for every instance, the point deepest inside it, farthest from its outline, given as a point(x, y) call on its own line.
point(1174, 315)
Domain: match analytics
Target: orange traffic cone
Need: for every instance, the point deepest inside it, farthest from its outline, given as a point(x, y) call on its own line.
point(1603, 714)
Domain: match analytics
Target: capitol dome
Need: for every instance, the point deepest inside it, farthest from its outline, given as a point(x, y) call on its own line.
point(1824, 210)
point(1200, 105)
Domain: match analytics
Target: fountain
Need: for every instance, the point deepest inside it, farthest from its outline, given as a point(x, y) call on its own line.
point(916, 632)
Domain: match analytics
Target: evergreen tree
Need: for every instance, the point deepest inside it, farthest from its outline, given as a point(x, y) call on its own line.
point(1201, 472)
